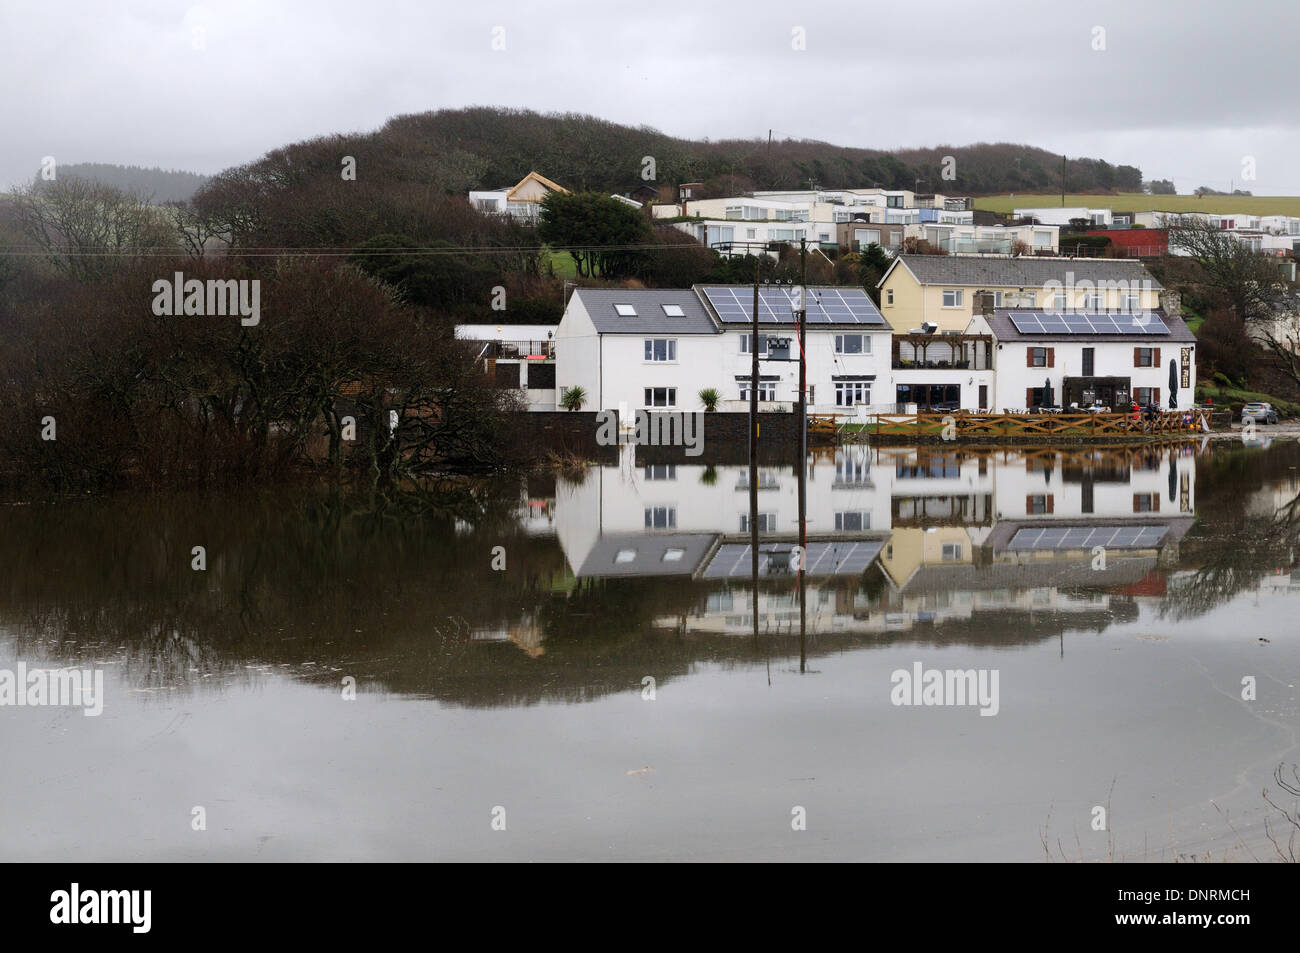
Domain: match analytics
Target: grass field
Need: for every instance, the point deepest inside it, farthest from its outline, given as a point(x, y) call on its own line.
point(563, 263)
point(1137, 202)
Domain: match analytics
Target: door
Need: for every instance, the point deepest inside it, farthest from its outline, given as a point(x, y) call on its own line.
point(984, 396)
point(1088, 354)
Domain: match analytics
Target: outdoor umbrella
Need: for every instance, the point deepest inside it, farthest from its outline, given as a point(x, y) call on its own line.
point(1173, 384)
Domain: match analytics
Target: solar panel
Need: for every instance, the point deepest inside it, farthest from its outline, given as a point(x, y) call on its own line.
point(848, 557)
point(1086, 537)
point(735, 304)
point(1086, 322)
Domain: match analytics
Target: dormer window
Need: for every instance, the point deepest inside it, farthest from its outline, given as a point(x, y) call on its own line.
point(625, 310)
point(674, 311)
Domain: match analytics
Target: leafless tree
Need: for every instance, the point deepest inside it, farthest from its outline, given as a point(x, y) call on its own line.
point(86, 229)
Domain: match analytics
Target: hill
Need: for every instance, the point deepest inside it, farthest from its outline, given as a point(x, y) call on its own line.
point(484, 147)
point(163, 185)
point(1140, 202)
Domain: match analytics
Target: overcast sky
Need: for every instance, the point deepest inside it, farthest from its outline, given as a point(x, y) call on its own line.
point(1184, 89)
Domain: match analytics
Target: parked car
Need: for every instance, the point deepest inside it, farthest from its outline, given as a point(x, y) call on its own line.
point(1259, 412)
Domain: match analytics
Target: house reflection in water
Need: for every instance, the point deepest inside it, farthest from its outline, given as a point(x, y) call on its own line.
point(897, 536)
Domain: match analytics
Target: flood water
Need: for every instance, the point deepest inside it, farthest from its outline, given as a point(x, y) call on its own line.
point(596, 687)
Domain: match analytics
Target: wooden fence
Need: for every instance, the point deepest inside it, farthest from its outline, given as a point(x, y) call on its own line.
point(964, 424)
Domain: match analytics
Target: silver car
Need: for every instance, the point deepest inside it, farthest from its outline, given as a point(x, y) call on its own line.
point(1260, 412)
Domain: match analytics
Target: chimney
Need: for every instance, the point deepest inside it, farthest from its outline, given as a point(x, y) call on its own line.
point(982, 303)
point(1171, 302)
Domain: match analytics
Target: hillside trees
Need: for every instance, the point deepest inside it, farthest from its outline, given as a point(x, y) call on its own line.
point(596, 230)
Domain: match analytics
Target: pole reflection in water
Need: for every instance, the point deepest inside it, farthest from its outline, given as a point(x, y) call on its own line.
point(803, 555)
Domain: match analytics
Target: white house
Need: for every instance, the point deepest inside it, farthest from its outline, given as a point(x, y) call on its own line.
point(753, 237)
point(1055, 358)
point(658, 348)
point(987, 239)
point(1099, 217)
point(521, 201)
point(520, 356)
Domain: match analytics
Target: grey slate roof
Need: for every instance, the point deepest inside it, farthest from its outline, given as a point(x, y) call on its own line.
point(1004, 330)
point(649, 549)
point(975, 270)
point(650, 317)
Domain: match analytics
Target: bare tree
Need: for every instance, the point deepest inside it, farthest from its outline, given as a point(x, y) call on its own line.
point(86, 229)
point(1248, 283)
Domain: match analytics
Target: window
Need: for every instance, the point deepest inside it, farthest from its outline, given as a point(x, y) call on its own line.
point(625, 310)
point(661, 471)
point(660, 349)
point(718, 602)
point(1089, 359)
point(1058, 301)
point(848, 393)
point(889, 296)
point(951, 552)
point(1143, 357)
point(1042, 239)
point(674, 311)
point(746, 338)
point(1092, 301)
point(851, 469)
point(625, 556)
point(1038, 505)
point(1146, 502)
point(852, 344)
point(1143, 395)
point(997, 299)
point(952, 297)
point(751, 233)
point(766, 523)
point(673, 555)
point(783, 234)
point(661, 396)
point(767, 480)
point(661, 517)
point(852, 522)
point(540, 376)
point(1129, 302)
point(766, 390)
point(1038, 357)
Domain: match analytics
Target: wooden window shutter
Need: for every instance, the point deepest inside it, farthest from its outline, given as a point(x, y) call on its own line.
point(1029, 357)
point(1029, 506)
point(1051, 503)
point(1155, 396)
point(1156, 361)
point(1029, 397)
point(1137, 356)
point(1051, 357)
point(1136, 497)
point(1155, 502)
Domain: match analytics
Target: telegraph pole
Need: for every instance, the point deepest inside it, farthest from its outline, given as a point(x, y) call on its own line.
point(753, 454)
point(803, 452)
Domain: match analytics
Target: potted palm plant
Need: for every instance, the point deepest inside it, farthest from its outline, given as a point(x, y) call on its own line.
point(709, 397)
point(573, 398)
